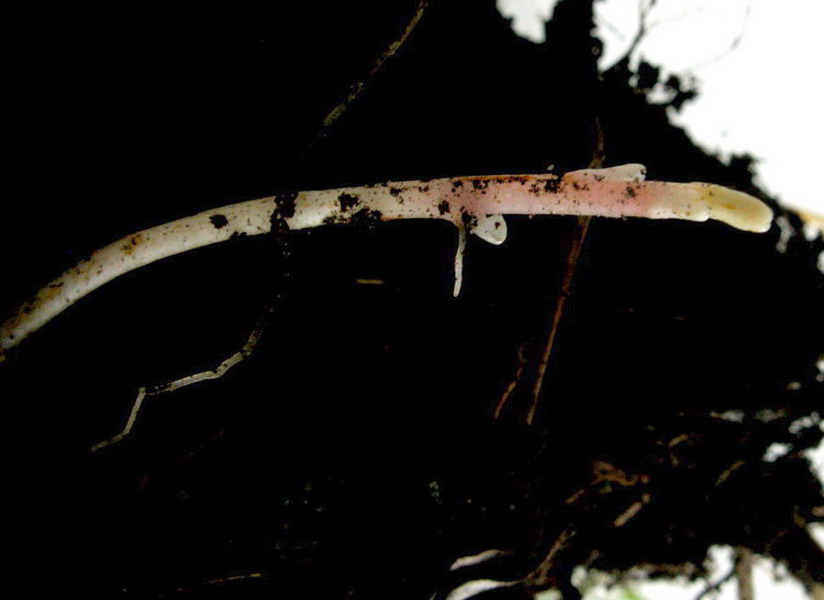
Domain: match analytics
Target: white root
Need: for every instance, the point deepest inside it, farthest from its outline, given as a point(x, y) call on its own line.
point(475, 203)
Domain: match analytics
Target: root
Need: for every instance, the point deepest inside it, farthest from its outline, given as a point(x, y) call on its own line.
point(164, 388)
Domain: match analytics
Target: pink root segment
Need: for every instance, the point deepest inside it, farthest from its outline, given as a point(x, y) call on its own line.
point(648, 199)
point(474, 204)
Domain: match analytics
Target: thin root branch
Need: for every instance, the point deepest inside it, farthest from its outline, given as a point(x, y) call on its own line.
point(729, 471)
point(541, 575)
point(573, 255)
point(512, 384)
point(459, 260)
point(628, 514)
point(731, 48)
point(233, 578)
point(165, 388)
point(714, 587)
point(569, 274)
point(357, 89)
point(643, 29)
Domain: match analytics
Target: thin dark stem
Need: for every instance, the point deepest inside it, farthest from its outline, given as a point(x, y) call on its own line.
point(540, 576)
point(643, 28)
point(714, 587)
point(358, 88)
point(573, 255)
point(512, 384)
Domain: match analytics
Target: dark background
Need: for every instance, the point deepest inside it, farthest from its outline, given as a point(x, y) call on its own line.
point(355, 455)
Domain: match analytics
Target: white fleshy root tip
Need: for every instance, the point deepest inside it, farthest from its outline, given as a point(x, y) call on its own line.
point(476, 205)
point(737, 209)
